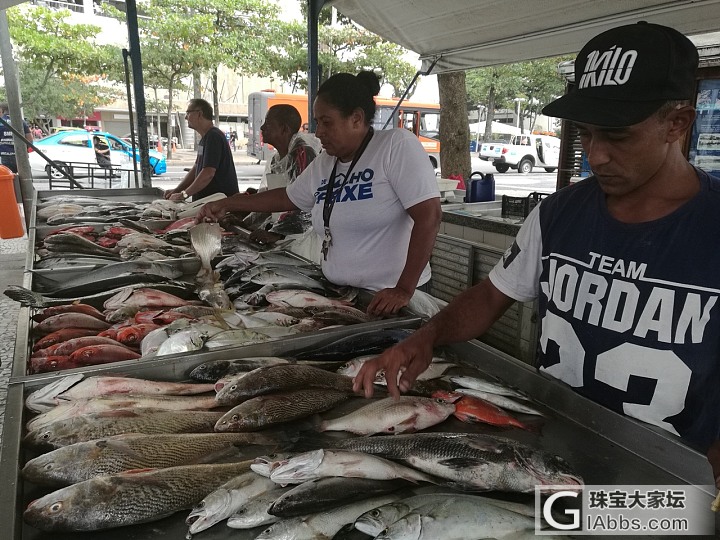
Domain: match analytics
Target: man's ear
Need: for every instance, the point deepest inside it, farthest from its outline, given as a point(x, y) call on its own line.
point(681, 120)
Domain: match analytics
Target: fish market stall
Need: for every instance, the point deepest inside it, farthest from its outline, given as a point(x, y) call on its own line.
point(599, 445)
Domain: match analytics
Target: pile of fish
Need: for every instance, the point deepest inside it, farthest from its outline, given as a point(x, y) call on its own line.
point(251, 447)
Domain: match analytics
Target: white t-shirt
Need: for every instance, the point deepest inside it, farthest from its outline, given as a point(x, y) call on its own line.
point(370, 226)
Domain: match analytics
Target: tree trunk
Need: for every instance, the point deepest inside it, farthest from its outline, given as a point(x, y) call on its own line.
point(170, 121)
point(454, 129)
point(216, 97)
point(490, 116)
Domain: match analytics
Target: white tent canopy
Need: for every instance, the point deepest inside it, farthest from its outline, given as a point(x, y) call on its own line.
point(497, 127)
point(463, 34)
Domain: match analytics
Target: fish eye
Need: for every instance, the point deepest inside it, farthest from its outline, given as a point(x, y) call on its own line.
point(233, 387)
point(45, 435)
point(48, 466)
point(236, 417)
point(375, 513)
point(56, 507)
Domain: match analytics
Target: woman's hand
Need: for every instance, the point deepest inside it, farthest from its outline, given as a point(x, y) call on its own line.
point(410, 358)
point(265, 237)
point(389, 301)
point(211, 211)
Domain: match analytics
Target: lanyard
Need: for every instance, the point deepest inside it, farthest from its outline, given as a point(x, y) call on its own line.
point(329, 202)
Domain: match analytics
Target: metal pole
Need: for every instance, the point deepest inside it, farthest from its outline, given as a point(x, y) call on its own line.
point(12, 89)
point(139, 86)
point(407, 90)
point(314, 7)
point(126, 56)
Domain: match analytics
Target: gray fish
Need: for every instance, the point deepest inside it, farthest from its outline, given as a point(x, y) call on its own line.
point(324, 524)
point(472, 461)
point(268, 410)
point(111, 455)
point(276, 276)
point(128, 498)
point(58, 242)
point(254, 513)
point(266, 380)
point(323, 494)
point(105, 424)
point(235, 337)
point(69, 260)
point(217, 369)
point(360, 344)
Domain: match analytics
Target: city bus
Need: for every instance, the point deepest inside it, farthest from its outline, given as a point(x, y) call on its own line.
point(423, 119)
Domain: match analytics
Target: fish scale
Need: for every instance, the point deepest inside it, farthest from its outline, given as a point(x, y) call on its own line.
point(130, 498)
point(82, 461)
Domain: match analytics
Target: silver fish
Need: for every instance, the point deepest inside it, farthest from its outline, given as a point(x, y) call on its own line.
point(190, 339)
point(129, 498)
point(325, 462)
point(216, 369)
point(501, 401)
point(374, 521)
point(390, 415)
point(226, 500)
point(240, 336)
point(486, 386)
point(254, 513)
point(302, 298)
point(472, 461)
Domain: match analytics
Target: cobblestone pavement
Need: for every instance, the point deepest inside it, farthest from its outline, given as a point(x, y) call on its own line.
point(12, 264)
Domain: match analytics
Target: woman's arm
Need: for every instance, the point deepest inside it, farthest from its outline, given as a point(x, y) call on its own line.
point(274, 200)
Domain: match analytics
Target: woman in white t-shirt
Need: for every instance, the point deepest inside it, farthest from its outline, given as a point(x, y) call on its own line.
point(378, 228)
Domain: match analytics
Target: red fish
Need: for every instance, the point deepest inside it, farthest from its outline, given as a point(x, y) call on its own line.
point(68, 347)
point(62, 335)
point(145, 298)
point(102, 354)
point(107, 242)
point(133, 335)
point(85, 231)
point(475, 410)
point(160, 317)
point(44, 364)
point(118, 232)
point(68, 308)
point(70, 320)
point(179, 224)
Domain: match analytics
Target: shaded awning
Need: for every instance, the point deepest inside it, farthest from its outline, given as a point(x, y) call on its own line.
point(473, 33)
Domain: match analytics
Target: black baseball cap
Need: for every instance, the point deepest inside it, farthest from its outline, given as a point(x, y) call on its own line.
point(625, 74)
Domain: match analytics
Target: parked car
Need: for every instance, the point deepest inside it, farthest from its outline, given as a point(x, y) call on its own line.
point(523, 152)
point(76, 146)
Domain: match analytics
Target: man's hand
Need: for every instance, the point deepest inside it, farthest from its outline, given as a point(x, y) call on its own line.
point(176, 197)
point(169, 193)
point(410, 357)
point(211, 211)
point(389, 301)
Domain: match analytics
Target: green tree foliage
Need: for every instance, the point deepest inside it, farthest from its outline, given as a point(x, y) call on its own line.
point(63, 70)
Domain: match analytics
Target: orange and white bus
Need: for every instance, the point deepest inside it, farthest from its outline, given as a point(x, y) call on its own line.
point(423, 119)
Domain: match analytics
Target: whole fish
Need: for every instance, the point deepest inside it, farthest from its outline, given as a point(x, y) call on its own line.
point(324, 524)
point(323, 494)
point(60, 241)
point(265, 464)
point(76, 386)
point(339, 314)
point(46, 364)
point(359, 344)
point(472, 461)
point(158, 317)
point(267, 410)
point(486, 386)
point(216, 369)
point(472, 410)
point(302, 298)
point(189, 339)
point(128, 498)
point(259, 319)
point(26, 297)
point(68, 347)
point(227, 499)
point(108, 403)
point(115, 422)
point(501, 401)
point(325, 462)
point(269, 379)
point(437, 368)
point(459, 517)
point(70, 320)
point(102, 354)
point(60, 336)
point(50, 211)
point(236, 337)
point(157, 337)
point(111, 455)
point(66, 308)
point(133, 335)
point(389, 415)
point(273, 276)
point(254, 513)
point(145, 297)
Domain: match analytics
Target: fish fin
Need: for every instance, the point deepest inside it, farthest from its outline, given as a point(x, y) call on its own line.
point(461, 463)
point(25, 297)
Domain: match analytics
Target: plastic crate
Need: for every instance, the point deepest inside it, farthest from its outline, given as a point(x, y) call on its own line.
point(520, 207)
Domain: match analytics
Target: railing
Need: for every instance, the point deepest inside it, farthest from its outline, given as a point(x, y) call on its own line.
point(90, 175)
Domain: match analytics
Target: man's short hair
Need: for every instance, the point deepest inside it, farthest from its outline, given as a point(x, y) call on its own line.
point(203, 106)
point(286, 115)
point(4, 107)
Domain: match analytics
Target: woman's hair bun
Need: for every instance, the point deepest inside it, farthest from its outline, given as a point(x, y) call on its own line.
point(370, 81)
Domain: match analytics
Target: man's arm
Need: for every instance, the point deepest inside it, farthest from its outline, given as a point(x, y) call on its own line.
point(274, 200)
point(186, 181)
point(468, 316)
point(195, 185)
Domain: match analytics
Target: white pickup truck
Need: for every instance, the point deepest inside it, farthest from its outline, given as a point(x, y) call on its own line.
point(523, 152)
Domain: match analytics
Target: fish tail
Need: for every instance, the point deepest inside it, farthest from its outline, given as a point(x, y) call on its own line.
point(25, 296)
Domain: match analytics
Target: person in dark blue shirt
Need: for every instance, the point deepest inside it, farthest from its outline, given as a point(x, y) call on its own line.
point(7, 145)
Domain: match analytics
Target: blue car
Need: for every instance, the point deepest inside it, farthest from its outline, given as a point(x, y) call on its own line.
point(76, 146)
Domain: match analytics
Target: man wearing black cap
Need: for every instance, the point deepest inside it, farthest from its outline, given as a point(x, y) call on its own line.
point(624, 263)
